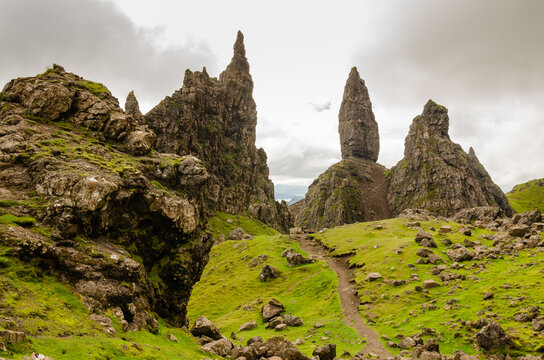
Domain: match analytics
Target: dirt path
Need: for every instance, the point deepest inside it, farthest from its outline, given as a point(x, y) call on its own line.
point(348, 299)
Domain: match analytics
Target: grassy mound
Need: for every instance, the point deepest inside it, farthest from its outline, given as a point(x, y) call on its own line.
point(402, 310)
point(527, 196)
point(220, 225)
point(230, 294)
point(58, 325)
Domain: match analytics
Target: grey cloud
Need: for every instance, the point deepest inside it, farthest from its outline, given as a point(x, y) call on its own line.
point(482, 60)
point(321, 107)
point(306, 164)
point(93, 39)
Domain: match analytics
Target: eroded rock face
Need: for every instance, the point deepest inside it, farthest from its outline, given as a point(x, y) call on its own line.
point(215, 120)
point(436, 174)
point(350, 191)
point(67, 150)
point(132, 107)
point(358, 129)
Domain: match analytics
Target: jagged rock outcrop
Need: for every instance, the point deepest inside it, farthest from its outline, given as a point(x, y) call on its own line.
point(125, 231)
point(215, 120)
point(358, 129)
point(436, 174)
point(355, 189)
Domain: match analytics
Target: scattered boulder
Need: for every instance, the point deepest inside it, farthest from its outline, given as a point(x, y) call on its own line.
point(13, 337)
point(258, 260)
point(407, 343)
point(291, 320)
point(248, 326)
point(239, 234)
point(429, 284)
point(295, 258)
point(430, 243)
point(325, 352)
point(373, 276)
point(268, 273)
point(204, 327)
point(280, 327)
point(219, 347)
point(445, 229)
point(254, 339)
point(278, 320)
point(537, 325)
point(518, 230)
point(271, 309)
point(422, 235)
point(460, 254)
point(278, 346)
point(431, 345)
point(492, 336)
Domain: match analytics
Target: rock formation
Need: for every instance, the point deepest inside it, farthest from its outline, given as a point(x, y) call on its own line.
point(358, 129)
point(436, 174)
point(355, 189)
point(132, 107)
point(215, 120)
point(125, 231)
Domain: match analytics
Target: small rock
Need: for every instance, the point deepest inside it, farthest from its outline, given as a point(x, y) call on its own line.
point(239, 234)
point(407, 343)
point(298, 342)
point(428, 284)
point(173, 338)
point(248, 326)
point(291, 320)
point(422, 234)
point(325, 352)
point(318, 325)
point(203, 326)
point(254, 339)
point(268, 273)
point(488, 295)
point(280, 327)
point(271, 309)
point(373, 276)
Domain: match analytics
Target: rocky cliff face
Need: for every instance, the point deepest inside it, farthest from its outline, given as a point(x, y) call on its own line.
point(355, 189)
point(215, 120)
point(84, 196)
point(350, 191)
point(436, 174)
point(358, 129)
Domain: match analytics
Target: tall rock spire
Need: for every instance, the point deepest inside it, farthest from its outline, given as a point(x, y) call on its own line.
point(358, 129)
point(238, 85)
point(132, 107)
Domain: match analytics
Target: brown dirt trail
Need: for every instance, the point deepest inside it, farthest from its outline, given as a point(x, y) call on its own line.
point(348, 298)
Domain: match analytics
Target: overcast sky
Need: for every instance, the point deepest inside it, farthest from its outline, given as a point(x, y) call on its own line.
point(483, 60)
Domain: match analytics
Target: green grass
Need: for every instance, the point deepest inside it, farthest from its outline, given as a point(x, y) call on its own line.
point(401, 310)
point(218, 225)
point(230, 294)
point(10, 219)
point(527, 196)
point(94, 87)
point(58, 324)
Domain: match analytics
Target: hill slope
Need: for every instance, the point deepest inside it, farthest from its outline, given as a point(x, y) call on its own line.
point(399, 305)
point(527, 196)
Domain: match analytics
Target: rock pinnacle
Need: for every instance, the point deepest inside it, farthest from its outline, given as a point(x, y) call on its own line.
point(358, 129)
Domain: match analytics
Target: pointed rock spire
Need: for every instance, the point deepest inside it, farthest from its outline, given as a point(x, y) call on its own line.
point(132, 107)
point(357, 126)
point(436, 118)
point(239, 66)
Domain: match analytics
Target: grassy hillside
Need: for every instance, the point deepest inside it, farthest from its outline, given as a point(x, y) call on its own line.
point(527, 196)
point(402, 310)
point(58, 324)
point(230, 294)
point(219, 225)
